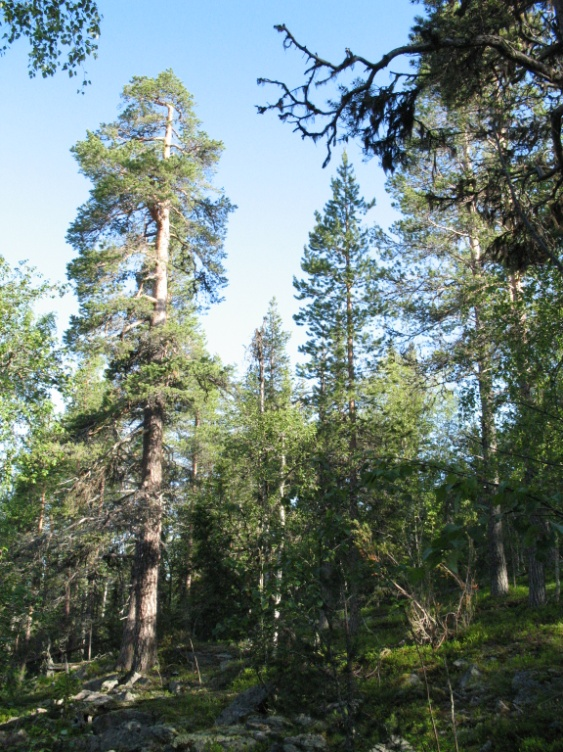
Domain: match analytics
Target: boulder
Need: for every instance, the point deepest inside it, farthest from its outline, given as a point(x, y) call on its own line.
point(109, 721)
point(471, 678)
point(271, 723)
point(94, 699)
point(104, 683)
point(395, 744)
point(243, 705)
point(110, 683)
point(209, 740)
point(128, 730)
point(526, 688)
point(306, 742)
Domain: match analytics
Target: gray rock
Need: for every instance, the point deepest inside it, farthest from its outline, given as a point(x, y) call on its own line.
point(95, 699)
point(124, 696)
point(411, 681)
point(128, 730)
point(133, 736)
point(110, 683)
point(260, 736)
point(305, 721)
point(275, 723)
point(94, 684)
point(204, 741)
point(243, 705)
point(107, 721)
point(13, 739)
point(471, 678)
point(307, 742)
point(395, 744)
point(99, 684)
point(526, 687)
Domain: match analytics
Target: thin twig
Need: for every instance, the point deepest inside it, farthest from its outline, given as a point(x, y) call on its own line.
point(428, 698)
point(452, 706)
point(196, 662)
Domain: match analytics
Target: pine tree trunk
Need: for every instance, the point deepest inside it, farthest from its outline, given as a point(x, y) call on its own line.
point(536, 570)
point(557, 568)
point(498, 570)
point(143, 635)
point(536, 580)
point(147, 548)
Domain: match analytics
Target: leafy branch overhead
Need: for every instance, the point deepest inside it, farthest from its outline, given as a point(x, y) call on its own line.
point(62, 33)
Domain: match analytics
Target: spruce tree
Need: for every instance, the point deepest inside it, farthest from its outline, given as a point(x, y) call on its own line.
point(340, 302)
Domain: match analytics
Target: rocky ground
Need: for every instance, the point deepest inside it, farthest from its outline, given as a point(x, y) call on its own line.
point(498, 687)
point(106, 716)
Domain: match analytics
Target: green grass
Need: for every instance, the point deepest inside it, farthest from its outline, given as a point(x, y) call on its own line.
point(392, 678)
point(504, 638)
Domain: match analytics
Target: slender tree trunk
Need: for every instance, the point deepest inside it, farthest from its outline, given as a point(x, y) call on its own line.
point(498, 570)
point(190, 531)
point(43, 504)
point(142, 654)
point(557, 568)
point(536, 580)
point(352, 608)
point(125, 660)
point(22, 650)
point(279, 555)
point(536, 569)
point(186, 574)
point(325, 584)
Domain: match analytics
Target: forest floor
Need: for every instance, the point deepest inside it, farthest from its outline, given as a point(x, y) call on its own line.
point(496, 687)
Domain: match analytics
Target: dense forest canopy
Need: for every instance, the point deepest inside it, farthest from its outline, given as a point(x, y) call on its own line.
point(411, 462)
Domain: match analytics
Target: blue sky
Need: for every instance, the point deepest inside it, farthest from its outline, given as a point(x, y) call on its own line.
point(218, 48)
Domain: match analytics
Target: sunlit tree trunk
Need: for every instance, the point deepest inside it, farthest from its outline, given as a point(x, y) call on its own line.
point(498, 570)
point(536, 571)
point(142, 655)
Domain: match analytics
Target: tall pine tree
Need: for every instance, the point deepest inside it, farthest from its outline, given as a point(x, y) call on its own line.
point(149, 237)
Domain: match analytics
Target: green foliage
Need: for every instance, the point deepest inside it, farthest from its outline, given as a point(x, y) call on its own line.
point(51, 27)
point(30, 365)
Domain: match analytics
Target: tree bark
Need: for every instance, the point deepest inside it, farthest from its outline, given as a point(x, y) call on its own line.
point(536, 570)
point(139, 648)
point(557, 568)
point(498, 570)
point(536, 580)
